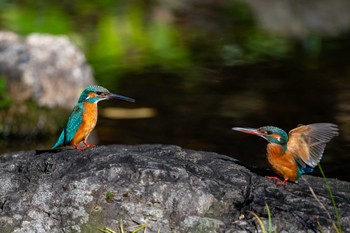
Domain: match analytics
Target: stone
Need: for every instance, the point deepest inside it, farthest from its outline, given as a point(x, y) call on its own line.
point(165, 187)
point(41, 75)
point(50, 70)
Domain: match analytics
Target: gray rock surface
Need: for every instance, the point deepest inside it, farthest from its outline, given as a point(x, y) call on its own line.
point(165, 187)
point(50, 70)
point(43, 74)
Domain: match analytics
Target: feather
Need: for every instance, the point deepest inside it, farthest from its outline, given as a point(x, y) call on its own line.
point(307, 142)
point(74, 121)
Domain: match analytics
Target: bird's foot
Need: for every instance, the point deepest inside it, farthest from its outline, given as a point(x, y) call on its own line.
point(282, 182)
point(79, 148)
point(272, 177)
point(276, 178)
point(83, 148)
point(87, 145)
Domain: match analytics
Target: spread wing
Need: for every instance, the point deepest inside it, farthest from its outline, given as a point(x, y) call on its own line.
point(74, 121)
point(307, 142)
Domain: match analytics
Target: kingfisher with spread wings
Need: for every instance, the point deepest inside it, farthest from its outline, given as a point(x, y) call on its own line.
point(298, 152)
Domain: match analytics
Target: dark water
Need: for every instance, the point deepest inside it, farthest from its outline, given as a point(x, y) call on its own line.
point(200, 114)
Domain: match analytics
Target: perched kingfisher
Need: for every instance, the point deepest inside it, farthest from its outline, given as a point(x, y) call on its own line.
point(298, 152)
point(84, 117)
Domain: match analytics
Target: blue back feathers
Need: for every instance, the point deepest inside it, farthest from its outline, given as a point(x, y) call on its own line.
point(76, 117)
point(74, 121)
point(302, 170)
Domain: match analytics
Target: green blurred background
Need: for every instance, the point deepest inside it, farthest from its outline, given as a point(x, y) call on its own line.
point(202, 67)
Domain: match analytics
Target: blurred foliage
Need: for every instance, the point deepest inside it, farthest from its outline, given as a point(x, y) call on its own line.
point(38, 121)
point(119, 37)
point(4, 100)
point(313, 45)
point(127, 43)
point(260, 45)
point(27, 20)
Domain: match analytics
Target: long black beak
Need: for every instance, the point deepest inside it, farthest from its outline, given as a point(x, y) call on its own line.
point(120, 97)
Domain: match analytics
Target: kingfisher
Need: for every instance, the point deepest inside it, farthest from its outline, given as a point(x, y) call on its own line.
point(298, 152)
point(84, 117)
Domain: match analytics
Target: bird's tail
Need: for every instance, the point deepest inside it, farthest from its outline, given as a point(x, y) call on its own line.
point(61, 140)
point(57, 144)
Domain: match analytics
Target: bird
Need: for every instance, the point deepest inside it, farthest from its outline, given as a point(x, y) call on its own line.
point(298, 152)
point(83, 118)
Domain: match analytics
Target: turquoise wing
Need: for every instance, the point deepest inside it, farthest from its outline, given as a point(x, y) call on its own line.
point(74, 121)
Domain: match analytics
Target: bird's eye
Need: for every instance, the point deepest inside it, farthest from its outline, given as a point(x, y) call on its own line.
point(98, 92)
point(265, 131)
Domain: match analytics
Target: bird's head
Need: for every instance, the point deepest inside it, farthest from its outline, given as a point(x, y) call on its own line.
point(94, 94)
point(271, 133)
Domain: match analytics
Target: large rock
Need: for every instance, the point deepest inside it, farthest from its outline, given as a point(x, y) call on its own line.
point(41, 71)
point(164, 187)
point(48, 69)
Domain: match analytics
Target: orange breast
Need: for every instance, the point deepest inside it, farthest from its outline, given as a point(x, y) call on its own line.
point(283, 164)
point(88, 123)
